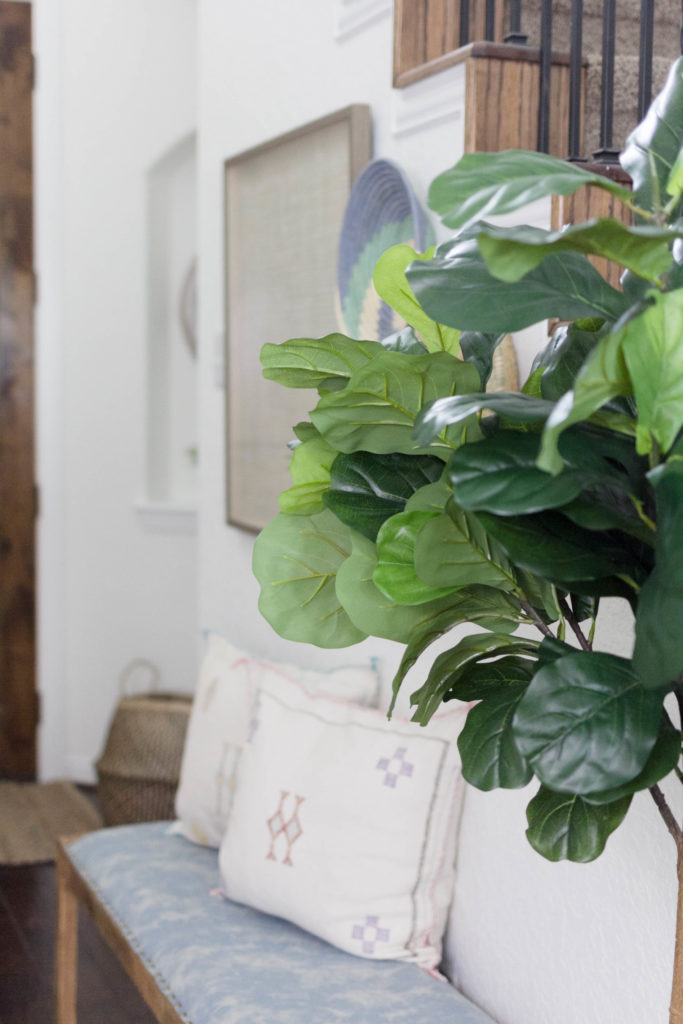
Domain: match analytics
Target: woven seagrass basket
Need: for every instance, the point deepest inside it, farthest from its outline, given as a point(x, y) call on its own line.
point(139, 768)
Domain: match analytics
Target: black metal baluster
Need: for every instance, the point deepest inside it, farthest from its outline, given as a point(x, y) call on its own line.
point(490, 20)
point(607, 154)
point(464, 22)
point(515, 35)
point(575, 69)
point(543, 143)
point(647, 17)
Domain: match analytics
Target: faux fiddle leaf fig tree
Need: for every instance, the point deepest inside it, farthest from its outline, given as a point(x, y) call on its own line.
point(421, 502)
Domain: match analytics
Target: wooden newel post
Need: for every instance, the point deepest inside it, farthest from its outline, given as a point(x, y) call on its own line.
point(676, 1014)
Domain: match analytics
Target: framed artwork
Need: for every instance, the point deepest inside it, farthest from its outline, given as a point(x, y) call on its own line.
point(284, 207)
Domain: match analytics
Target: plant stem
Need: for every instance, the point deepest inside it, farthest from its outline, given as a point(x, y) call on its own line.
point(574, 626)
point(668, 816)
point(536, 618)
point(676, 1006)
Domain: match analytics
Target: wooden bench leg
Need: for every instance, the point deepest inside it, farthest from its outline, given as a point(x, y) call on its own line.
point(66, 961)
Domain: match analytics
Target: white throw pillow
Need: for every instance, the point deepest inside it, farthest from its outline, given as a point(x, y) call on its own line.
point(346, 824)
point(220, 723)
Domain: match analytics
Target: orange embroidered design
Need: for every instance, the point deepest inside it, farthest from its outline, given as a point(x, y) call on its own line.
point(288, 828)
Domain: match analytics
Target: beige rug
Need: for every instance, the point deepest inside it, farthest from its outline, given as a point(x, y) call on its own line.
point(34, 815)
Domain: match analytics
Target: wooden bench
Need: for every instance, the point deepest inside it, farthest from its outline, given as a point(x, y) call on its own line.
point(198, 958)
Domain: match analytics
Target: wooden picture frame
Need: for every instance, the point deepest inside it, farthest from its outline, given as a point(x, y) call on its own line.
point(284, 208)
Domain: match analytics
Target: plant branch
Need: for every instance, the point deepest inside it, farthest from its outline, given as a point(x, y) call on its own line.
point(536, 618)
point(574, 626)
point(668, 816)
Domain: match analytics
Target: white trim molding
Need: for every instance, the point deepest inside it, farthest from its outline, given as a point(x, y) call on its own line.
point(166, 517)
point(352, 15)
point(440, 97)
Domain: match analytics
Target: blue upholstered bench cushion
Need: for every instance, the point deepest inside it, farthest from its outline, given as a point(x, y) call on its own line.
point(223, 963)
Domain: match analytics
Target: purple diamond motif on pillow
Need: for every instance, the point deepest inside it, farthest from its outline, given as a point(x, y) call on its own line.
point(369, 933)
point(395, 767)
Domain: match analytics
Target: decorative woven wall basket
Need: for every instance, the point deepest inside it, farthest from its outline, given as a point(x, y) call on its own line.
point(139, 768)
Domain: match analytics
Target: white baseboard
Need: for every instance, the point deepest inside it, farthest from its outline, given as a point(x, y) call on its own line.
point(351, 15)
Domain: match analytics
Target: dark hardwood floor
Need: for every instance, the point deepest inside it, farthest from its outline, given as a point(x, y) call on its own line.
point(28, 920)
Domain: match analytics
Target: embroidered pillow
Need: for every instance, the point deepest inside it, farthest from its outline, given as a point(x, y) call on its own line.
point(345, 824)
point(220, 722)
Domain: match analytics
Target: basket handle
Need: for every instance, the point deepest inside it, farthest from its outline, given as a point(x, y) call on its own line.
point(134, 666)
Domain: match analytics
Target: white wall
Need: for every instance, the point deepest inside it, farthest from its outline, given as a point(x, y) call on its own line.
point(534, 943)
point(116, 89)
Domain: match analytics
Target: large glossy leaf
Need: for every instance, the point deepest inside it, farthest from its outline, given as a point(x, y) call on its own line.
point(652, 148)
point(563, 826)
point(296, 559)
point(375, 613)
point(653, 354)
point(450, 667)
point(366, 489)
point(499, 474)
point(395, 574)
point(457, 288)
point(479, 349)
point(603, 376)
point(392, 285)
point(662, 760)
point(376, 411)
point(490, 758)
point(444, 412)
point(453, 550)
point(586, 723)
point(564, 355)
point(512, 252)
point(405, 341)
point(483, 606)
point(309, 469)
point(309, 362)
point(550, 546)
point(658, 652)
point(487, 184)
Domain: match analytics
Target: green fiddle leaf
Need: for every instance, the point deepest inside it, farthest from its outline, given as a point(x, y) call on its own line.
point(376, 411)
point(662, 760)
point(652, 149)
point(391, 284)
point(587, 723)
point(405, 341)
point(303, 431)
point(450, 667)
point(375, 613)
point(652, 351)
point(490, 759)
point(487, 184)
point(432, 497)
point(445, 412)
point(499, 474)
point(550, 649)
point(674, 184)
point(296, 559)
point(309, 469)
point(564, 826)
point(549, 545)
point(479, 349)
point(483, 606)
point(658, 651)
point(395, 574)
point(602, 377)
point(512, 252)
point(367, 489)
point(311, 362)
point(563, 357)
point(452, 550)
point(457, 288)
